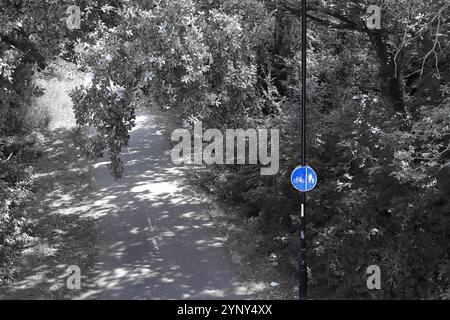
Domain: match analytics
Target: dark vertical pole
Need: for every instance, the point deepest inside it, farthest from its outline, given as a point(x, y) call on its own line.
point(303, 287)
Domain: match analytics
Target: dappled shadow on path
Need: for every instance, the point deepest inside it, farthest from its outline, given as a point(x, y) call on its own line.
point(157, 239)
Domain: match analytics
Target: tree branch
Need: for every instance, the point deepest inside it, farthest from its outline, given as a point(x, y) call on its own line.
point(32, 54)
point(345, 23)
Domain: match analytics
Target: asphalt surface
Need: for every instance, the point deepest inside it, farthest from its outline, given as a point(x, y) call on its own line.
point(157, 239)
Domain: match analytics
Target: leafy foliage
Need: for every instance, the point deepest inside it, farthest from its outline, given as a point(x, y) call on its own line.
point(31, 34)
point(16, 188)
point(379, 117)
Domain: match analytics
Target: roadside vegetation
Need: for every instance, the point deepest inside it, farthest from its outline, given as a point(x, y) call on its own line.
point(378, 130)
point(378, 126)
point(45, 183)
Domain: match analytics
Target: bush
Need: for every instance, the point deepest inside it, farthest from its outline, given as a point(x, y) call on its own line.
point(16, 189)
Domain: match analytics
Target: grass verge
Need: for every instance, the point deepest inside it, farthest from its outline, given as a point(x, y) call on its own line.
point(62, 229)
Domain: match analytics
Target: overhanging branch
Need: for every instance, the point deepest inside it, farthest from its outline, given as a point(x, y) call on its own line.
point(32, 54)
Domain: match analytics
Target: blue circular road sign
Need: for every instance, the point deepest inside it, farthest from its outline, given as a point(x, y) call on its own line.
point(304, 178)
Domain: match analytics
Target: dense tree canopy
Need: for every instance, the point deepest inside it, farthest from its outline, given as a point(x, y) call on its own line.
point(379, 106)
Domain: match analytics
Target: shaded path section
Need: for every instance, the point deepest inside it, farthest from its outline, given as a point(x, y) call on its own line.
point(157, 240)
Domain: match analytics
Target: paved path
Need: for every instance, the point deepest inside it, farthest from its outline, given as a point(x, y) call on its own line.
point(157, 239)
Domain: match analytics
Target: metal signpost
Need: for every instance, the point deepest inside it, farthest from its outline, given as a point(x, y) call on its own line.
point(303, 178)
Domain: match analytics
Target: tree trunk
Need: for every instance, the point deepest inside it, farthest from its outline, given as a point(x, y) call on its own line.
point(278, 52)
point(390, 73)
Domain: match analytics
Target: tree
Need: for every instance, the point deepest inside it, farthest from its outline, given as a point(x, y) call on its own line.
point(379, 133)
point(403, 26)
point(31, 34)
